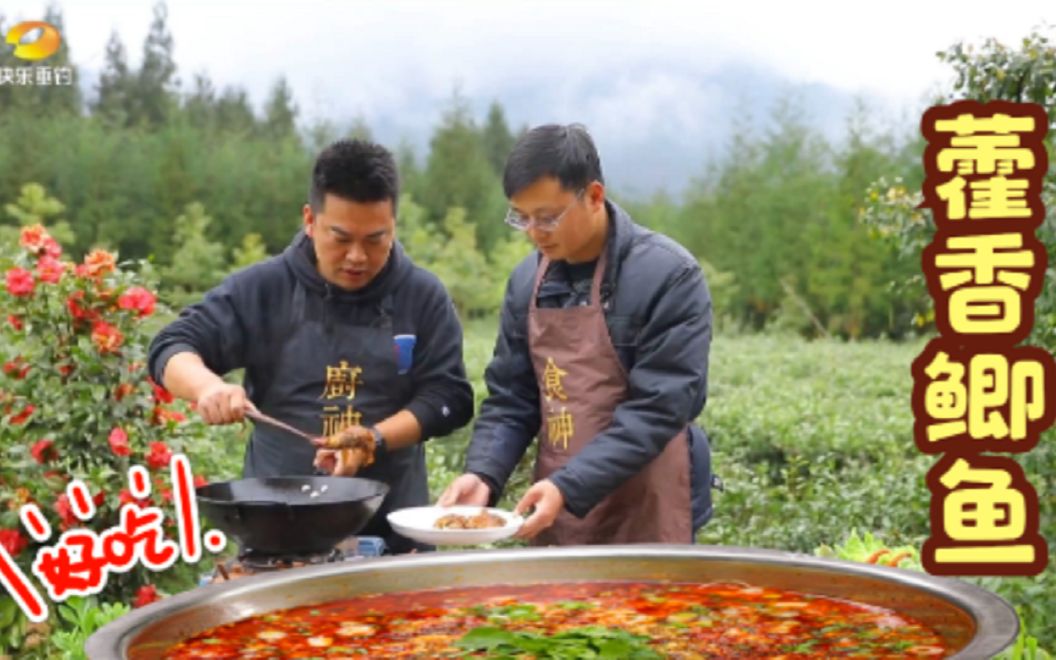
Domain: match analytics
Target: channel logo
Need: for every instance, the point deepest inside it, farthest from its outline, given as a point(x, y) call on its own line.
point(45, 45)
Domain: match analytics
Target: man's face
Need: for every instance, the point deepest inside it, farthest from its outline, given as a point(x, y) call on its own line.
point(352, 239)
point(580, 217)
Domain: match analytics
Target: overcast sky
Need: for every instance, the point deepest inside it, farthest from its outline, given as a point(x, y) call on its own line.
point(644, 76)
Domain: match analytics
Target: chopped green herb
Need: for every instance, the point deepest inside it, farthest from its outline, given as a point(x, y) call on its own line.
point(586, 642)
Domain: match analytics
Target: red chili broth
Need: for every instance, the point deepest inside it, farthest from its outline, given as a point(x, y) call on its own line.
point(676, 620)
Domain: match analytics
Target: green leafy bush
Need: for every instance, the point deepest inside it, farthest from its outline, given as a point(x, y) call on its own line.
point(76, 402)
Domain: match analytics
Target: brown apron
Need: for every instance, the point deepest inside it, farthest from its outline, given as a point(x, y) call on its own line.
point(581, 382)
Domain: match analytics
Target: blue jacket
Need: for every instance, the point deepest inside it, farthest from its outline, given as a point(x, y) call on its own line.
point(658, 311)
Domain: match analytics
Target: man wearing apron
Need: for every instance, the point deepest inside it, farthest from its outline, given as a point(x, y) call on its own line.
point(602, 354)
point(339, 333)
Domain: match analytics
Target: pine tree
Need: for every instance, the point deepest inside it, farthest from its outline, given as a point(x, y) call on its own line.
point(410, 172)
point(249, 252)
point(197, 263)
point(232, 112)
point(200, 104)
point(35, 207)
point(114, 90)
point(458, 174)
point(155, 85)
point(60, 99)
point(280, 112)
point(497, 139)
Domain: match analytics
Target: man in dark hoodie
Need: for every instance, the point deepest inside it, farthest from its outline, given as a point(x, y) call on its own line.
point(603, 354)
point(341, 333)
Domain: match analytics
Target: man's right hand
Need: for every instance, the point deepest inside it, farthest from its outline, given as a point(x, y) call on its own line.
point(223, 403)
point(468, 489)
point(218, 402)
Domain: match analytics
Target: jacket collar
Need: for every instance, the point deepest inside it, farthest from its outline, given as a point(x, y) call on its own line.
point(622, 234)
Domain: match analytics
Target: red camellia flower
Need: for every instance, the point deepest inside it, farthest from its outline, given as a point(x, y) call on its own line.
point(119, 442)
point(65, 511)
point(19, 282)
point(73, 303)
point(99, 498)
point(44, 451)
point(52, 248)
point(159, 456)
point(137, 299)
point(161, 394)
point(123, 390)
point(14, 322)
point(125, 497)
point(12, 541)
point(16, 368)
point(146, 595)
point(21, 417)
point(50, 269)
point(99, 263)
point(106, 337)
point(34, 238)
point(163, 415)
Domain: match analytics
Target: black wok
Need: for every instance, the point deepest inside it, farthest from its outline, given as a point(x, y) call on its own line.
point(278, 516)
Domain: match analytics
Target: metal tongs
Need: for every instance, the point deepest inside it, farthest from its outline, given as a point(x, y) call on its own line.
point(261, 418)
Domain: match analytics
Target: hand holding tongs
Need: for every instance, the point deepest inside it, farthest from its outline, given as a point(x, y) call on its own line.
point(261, 418)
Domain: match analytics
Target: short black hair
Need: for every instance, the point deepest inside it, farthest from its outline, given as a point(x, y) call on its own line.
point(566, 153)
point(356, 170)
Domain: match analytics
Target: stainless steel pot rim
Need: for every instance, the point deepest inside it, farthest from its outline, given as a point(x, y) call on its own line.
point(995, 619)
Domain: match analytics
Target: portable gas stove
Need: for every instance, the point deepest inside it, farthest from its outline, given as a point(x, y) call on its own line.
point(252, 563)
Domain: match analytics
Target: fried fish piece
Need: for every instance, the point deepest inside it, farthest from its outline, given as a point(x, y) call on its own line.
point(359, 455)
point(482, 520)
point(353, 439)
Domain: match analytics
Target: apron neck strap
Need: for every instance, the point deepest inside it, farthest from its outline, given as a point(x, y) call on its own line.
point(540, 273)
point(595, 286)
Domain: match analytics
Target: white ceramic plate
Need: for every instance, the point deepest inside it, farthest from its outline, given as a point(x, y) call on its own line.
point(417, 524)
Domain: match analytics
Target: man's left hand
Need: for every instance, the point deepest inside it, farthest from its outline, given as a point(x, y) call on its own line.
point(357, 438)
point(340, 462)
point(548, 502)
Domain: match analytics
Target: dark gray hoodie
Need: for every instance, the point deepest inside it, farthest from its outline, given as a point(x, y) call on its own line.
point(292, 331)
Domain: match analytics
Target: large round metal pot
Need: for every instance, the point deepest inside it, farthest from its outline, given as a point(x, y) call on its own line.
point(974, 622)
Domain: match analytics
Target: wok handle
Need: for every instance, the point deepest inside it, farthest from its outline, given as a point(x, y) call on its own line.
point(261, 418)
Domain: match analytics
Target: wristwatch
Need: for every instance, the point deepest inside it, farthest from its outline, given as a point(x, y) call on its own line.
point(379, 443)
